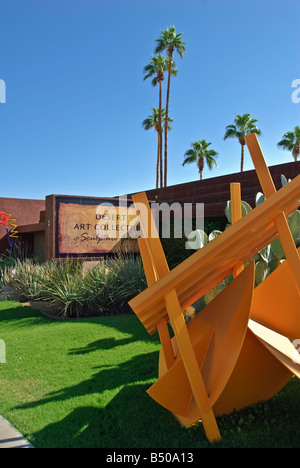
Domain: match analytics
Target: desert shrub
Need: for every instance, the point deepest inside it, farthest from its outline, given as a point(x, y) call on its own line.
point(4, 275)
point(105, 289)
point(64, 286)
point(25, 276)
point(113, 282)
point(6, 261)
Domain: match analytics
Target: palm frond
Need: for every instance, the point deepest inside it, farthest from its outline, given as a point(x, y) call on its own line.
point(243, 124)
point(291, 142)
point(190, 159)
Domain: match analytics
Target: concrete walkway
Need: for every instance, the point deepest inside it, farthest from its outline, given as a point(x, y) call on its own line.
point(10, 437)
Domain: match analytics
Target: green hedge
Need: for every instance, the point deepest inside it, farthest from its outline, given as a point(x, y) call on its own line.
point(175, 249)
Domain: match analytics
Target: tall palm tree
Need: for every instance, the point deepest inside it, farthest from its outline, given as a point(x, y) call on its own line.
point(200, 154)
point(291, 142)
point(169, 41)
point(156, 68)
point(152, 121)
point(242, 125)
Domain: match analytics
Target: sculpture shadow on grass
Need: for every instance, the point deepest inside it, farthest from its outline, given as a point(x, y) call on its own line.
point(133, 420)
point(130, 420)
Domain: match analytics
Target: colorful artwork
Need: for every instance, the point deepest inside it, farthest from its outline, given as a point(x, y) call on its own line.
point(11, 228)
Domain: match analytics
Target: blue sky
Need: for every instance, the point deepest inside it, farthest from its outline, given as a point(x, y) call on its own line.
point(75, 95)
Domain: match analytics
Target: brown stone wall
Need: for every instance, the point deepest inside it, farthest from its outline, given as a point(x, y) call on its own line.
point(215, 192)
point(24, 211)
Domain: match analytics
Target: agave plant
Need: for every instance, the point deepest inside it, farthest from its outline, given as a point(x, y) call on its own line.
point(104, 289)
point(27, 278)
point(64, 286)
point(113, 282)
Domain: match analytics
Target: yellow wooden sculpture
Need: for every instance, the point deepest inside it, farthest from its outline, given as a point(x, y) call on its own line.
point(238, 350)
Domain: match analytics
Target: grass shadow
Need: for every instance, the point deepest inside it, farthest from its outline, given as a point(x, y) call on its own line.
point(107, 377)
point(14, 311)
point(105, 343)
point(130, 420)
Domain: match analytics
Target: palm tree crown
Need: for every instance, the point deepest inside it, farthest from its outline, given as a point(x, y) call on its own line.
point(291, 142)
point(200, 154)
point(169, 41)
point(152, 120)
point(242, 125)
point(157, 67)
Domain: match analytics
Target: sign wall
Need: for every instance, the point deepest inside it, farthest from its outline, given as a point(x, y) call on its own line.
point(88, 227)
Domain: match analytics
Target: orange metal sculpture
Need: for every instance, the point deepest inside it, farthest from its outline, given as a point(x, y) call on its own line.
point(238, 350)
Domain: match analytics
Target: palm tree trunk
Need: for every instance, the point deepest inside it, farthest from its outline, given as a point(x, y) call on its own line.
point(296, 150)
point(242, 157)
point(201, 166)
point(161, 161)
point(166, 121)
point(160, 131)
point(158, 159)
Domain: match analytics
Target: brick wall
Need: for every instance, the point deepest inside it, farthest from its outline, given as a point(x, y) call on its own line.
point(215, 192)
point(24, 211)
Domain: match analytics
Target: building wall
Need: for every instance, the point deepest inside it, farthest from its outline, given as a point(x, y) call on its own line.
point(39, 245)
point(24, 211)
point(215, 192)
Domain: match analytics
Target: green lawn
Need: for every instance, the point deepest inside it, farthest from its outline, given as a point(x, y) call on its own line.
point(82, 383)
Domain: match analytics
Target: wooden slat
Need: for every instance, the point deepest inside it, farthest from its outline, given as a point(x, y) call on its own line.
point(218, 259)
point(281, 222)
point(236, 214)
point(155, 266)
